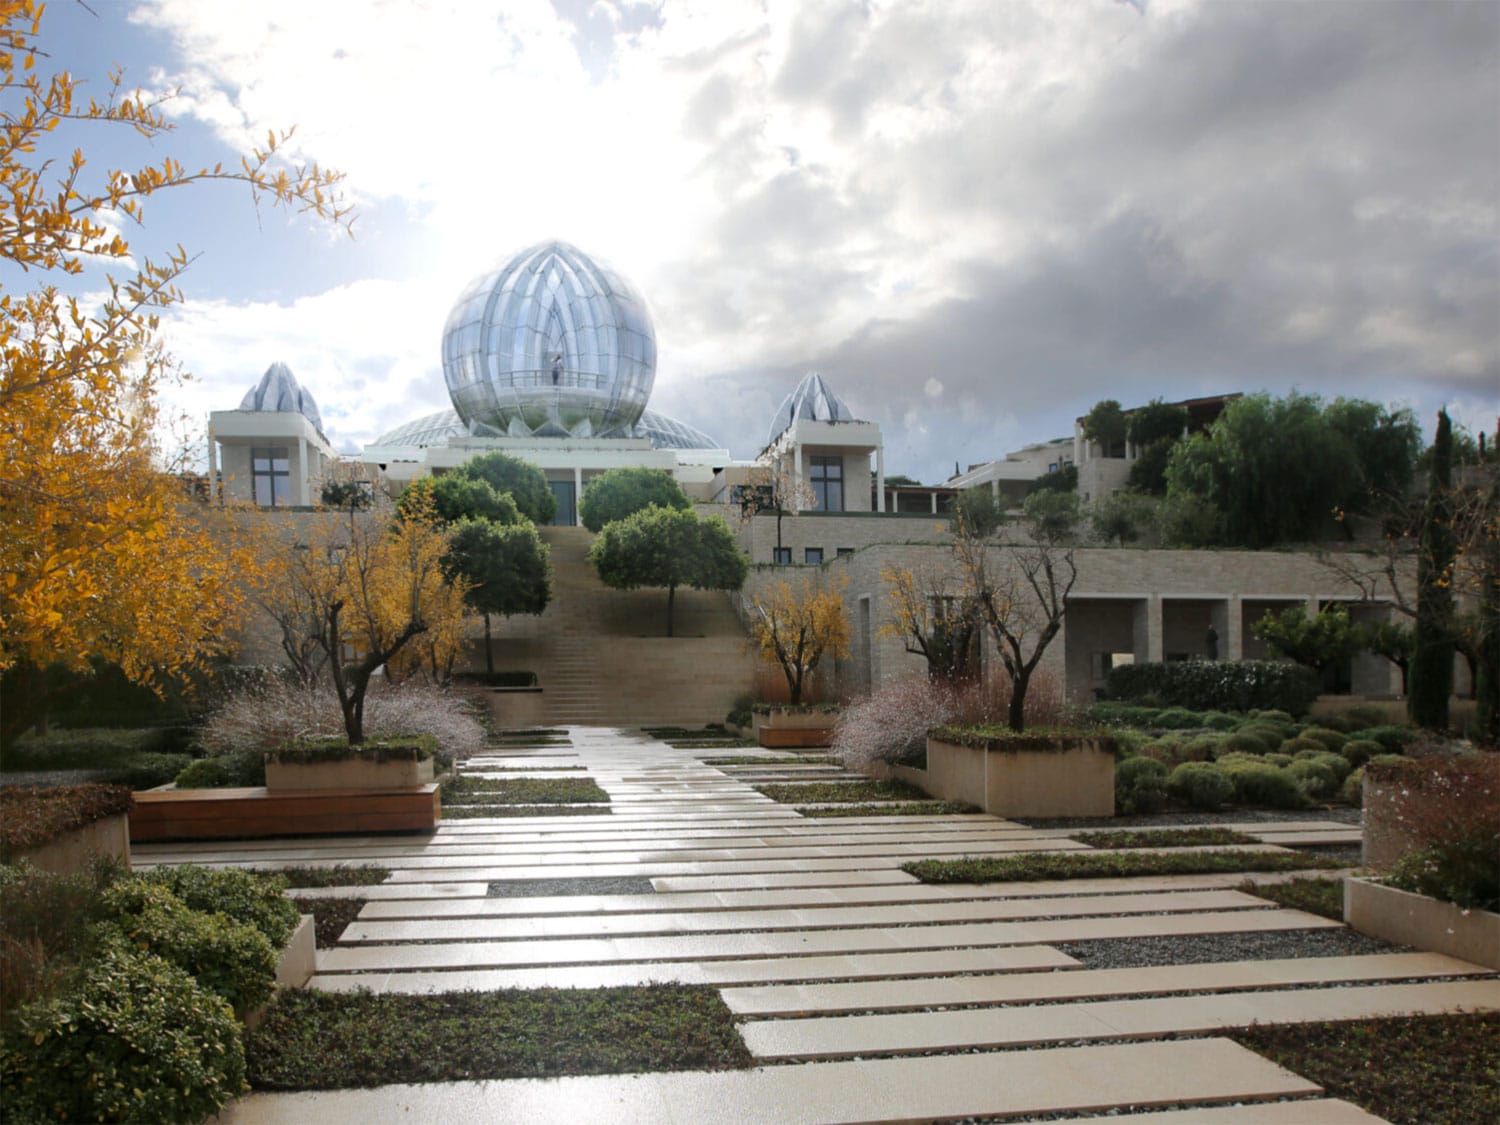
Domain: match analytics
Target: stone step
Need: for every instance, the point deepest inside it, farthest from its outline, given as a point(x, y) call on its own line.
point(799, 943)
point(831, 999)
point(1016, 1084)
point(914, 1032)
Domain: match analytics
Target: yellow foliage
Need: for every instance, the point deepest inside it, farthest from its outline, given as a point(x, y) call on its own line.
point(102, 552)
point(796, 628)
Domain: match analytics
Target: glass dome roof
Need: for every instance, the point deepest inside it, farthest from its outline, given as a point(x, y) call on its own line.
point(552, 344)
point(278, 392)
point(660, 430)
point(814, 400)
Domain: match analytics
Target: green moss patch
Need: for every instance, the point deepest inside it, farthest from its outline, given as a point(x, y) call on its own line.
point(477, 812)
point(324, 1041)
point(904, 808)
point(1316, 895)
point(1031, 867)
point(1412, 1070)
point(840, 792)
point(521, 791)
point(1208, 837)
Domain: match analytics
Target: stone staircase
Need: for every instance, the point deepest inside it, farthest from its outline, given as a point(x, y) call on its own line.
point(602, 657)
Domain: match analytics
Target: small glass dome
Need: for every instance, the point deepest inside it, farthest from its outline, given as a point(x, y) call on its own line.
point(552, 344)
point(278, 392)
point(814, 400)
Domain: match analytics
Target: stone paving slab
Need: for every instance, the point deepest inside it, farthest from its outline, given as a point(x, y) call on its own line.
point(907, 1032)
point(888, 966)
point(782, 1000)
point(1304, 1111)
point(501, 928)
point(759, 880)
point(1071, 1078)
point(797, 943)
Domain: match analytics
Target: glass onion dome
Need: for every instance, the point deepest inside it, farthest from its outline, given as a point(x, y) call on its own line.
point(435, 429)
point(814, 400)
point(552, 344)
point(278, 392)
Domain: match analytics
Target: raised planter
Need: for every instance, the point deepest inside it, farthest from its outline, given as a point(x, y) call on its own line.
point(74, 849)
point(517, 706)
point(354, 772)
point(782, 728)
point(1071, 776)
point(1404, 918)
point(295, 966)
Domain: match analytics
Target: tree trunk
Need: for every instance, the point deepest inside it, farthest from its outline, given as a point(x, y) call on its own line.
point(671, 596)
point(1016, 715)
point(489, 655)
point(1432, 648)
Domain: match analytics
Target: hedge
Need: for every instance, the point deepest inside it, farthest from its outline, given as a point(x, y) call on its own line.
point(30, 818)
point(1217, 685)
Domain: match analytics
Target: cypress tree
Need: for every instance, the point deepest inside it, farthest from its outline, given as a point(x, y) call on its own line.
point(1431, 679)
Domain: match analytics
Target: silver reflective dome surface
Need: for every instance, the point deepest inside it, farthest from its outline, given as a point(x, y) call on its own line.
point(278, 392)
point(814, 400)
point(662, 431)
point(552, 344)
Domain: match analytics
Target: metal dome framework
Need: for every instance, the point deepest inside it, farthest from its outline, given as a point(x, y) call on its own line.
point(662, 431)
point(552, 344)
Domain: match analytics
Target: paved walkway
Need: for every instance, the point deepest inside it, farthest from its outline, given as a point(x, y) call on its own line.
point(896, 1000)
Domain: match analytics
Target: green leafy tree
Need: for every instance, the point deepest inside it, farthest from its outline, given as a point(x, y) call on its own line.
point(454, 496)
point(1106, 426)
point(1382, 447)
point(507, 567)
point(623, 492)
point(978, 513)
point(671, 548)
point(1052, 516)
point(1319, 641)
point(1121, 517)
point(1064, 479)
point(1432, 650)
point(1393, 640)
point(1154, 429)
point(525, 483)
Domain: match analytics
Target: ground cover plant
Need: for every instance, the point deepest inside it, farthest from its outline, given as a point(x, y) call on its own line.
point(904, 808)
point(31, 818)
point(1209, 836)
point(141, 758)
point(840, 792)
point(1098, 865)
point(749, 760)
point(340, 875)
point(521, 791)
point(481, 812)
point(1315, 894)
point(319, 1041)
point(710, 744)
point(1413, 1070)
point(330, 916)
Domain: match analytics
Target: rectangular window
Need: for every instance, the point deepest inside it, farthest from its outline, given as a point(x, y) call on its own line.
point(845, 552)
point(782, 556)
point(270, 476)
point(827, 479)
point(812, 555)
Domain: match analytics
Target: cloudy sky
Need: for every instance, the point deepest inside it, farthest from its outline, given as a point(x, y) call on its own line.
point(975, 217)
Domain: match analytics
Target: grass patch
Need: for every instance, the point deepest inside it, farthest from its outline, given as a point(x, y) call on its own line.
point(1315, 894)
point(522, 791)
point(1411, 1070)
point(330, 916)
point(343, 875)
point(1163, 838)
point(841, 792)
point(1034, 866)
point(905, 808)
point(477, 812)
point(703, 733)
point(749, 760)
point(327, 1041)
point(709, 743)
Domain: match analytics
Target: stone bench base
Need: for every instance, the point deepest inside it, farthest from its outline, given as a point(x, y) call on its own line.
point(201, 814)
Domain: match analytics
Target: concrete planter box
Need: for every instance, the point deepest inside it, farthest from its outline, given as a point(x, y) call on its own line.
point(295, 966)
point(1075, 778)
point(1424, 923)
point(72, 851)
point(348, 773)
point(517, 707)
point(789, 729)
point(1384, 840)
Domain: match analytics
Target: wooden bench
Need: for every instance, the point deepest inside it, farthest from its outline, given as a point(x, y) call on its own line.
point(202, 814)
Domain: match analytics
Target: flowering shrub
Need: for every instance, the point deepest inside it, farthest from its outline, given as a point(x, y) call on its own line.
point(1449, 807)
point(891, 725)
point(276, 713)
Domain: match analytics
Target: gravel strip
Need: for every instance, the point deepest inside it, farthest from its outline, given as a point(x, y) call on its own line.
point(597, 885)
point(1133, 953)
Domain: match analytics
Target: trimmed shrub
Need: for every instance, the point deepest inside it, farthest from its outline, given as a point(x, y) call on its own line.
point(1205, 747)
point(46, 928)
point(1140, 785)
point(1200, 784)
point(241, 770)
point(31, 817)
point(1218, 720)
point(89, 748)
point(1300, 745)
point(1335, 762)
point(1218, 685)
point(138, 1040)
point(147, 771)
point(228, 957)
point(255, 899)
point(1278, 759)
point(1178, 718)
point(1394, 739)
point(1314, 778)
point(1271, 715)
point(1358, 751)
point(1330, 739)
point(1262, 784)
point(1123, 715)
point(1352, 792)
point(1245, 741)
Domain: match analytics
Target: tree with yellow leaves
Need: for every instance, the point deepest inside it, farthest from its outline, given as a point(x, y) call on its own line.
point(102, 553)
point(796, 628)
point(933, 622)
point(367, 594)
